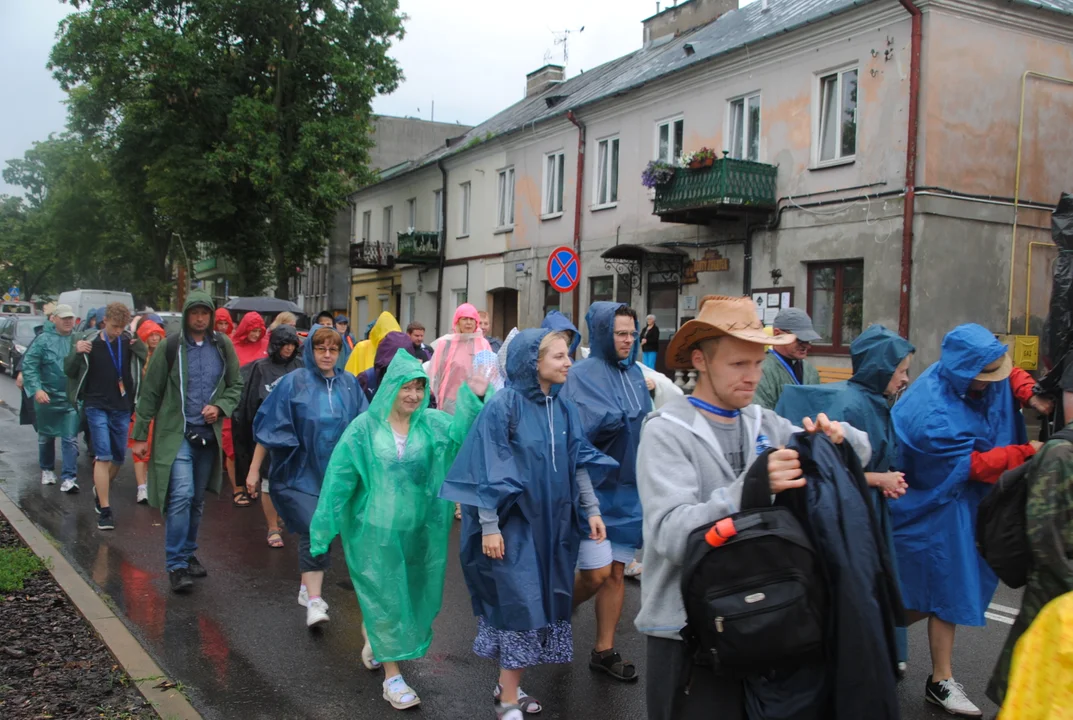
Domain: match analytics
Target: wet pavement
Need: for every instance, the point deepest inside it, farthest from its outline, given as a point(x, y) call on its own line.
point(240, 648)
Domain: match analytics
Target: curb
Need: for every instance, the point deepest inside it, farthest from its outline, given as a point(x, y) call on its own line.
point(169, 704)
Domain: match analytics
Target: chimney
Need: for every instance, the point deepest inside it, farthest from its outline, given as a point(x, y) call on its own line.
point(540, 80)
point(690, 15)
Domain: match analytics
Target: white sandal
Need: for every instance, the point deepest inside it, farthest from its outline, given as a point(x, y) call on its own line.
point(367, 659)
point(402, 690)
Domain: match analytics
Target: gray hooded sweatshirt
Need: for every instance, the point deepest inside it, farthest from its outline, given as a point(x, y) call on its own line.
point(684, 482)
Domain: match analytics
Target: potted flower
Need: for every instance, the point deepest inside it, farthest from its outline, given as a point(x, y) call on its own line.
point(703, 158)
point(657, 173)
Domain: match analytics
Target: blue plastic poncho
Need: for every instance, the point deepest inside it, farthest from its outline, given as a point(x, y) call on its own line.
point(299, 423)
point(939, 425)
point(558, 322)
point(393, 524)
point(520, 459)
point(613, 400)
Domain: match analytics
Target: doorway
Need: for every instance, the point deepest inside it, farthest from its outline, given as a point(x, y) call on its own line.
point(504, 307)
point(663, 303)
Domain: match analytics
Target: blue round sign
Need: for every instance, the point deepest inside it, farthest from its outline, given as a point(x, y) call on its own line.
point(564, 269)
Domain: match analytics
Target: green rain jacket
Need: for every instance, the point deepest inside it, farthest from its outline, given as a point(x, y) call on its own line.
point(43, 369)
point(161, 397)
point(776, 375)
point(393, 524)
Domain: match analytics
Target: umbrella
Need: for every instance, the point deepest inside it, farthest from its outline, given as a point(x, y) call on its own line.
point(262, 305)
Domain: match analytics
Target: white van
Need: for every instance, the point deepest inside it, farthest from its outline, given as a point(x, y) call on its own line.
point(82, 301)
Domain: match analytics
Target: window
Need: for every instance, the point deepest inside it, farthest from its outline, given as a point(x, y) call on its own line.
point(602, 289)
point(669, 135)
point(622, 291)
point(606, 192)
point(437, 209)
point(554, 171)
point(367, 225)
point(552, 298)
point(411, 214)
point(411, 307)
point(505, 216)
point(837, 138)
point(387, 224)
point(463, 216)
point(836, 302)
point(461, 296)
point(745, 128)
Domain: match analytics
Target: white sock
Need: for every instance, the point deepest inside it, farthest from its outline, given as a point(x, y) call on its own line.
point(393, 678)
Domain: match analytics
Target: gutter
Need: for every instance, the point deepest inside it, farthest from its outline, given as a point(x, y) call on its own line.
point(443, 245)
point(572, 117)
point(909, 208)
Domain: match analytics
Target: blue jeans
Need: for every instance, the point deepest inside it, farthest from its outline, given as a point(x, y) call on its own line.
point(108, 431)
point(46, 455)
point(190, 475)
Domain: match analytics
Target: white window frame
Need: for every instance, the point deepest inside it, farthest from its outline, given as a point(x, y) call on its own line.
point(552, 195)
point(505, 198)
point(675, 152)
point(411, 307)
point(740, 151)
point(411, 214)
point(819, 125)
point(437, 210)
point(602, 177)
point(466, 191)
point(367, 226)
point(387, 223)
point(460, 296)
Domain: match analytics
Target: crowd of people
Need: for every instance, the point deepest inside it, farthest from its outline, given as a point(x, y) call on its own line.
point(564, 464)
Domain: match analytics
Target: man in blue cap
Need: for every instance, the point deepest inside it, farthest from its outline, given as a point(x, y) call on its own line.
point(342, 324)
point(786, 364)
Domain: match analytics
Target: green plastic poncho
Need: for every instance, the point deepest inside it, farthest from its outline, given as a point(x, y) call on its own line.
point(393, 525)
point(42, 369)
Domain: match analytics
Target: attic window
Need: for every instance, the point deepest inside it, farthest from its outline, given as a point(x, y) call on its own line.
point(553, 100)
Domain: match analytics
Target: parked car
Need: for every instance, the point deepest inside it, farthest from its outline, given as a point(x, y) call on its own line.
point(16, 332)
point(173, 321)
point(82, 301)
point(16, 307)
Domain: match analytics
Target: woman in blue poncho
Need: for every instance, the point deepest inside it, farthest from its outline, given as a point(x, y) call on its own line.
point(299, 424)
point(523, 478)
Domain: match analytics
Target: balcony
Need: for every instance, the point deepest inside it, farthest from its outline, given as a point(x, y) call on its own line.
point(728, 189)
point(419, 248)
point(372, 255)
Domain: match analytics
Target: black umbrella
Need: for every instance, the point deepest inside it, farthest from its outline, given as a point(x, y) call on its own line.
point(262, 305)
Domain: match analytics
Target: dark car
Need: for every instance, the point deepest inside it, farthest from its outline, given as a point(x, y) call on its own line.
point(16, 332)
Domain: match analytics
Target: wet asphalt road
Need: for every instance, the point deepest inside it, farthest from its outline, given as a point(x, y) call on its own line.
point(239, 644)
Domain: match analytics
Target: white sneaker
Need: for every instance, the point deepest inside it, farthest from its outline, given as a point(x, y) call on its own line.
point(143, 494)
point(69, 486)
point(48, 477)
point(950, 696)
point(316, 612)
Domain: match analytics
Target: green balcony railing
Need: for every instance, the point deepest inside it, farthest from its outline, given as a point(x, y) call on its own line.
point(418, 247)
point(727, 182)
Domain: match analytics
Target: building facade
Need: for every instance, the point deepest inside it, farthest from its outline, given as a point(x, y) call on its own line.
point(805, 105)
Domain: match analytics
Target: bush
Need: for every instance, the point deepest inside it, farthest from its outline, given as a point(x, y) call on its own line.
point(16, 565)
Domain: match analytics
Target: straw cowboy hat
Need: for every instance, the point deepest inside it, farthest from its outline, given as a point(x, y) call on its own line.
point(719, 316)
point(998, 370)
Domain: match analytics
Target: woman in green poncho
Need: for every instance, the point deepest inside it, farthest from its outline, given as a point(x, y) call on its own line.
point(381, 494)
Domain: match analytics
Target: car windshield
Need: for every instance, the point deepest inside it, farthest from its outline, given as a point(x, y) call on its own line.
point(24, 331)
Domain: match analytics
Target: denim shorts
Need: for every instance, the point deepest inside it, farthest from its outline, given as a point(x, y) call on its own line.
point(108, 430)
point(594, 555)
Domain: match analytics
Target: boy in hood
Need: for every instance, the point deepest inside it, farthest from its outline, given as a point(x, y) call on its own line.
point(693, 458)
point(223, 322)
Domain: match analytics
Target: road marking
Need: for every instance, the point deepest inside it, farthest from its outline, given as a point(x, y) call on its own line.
point(1003, 608)
point(998, 618)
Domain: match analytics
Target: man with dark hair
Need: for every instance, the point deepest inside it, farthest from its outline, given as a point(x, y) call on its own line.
point(325, 318)
point(610, 393)
point(416, 331)
point(99, 368)
point(187, 393)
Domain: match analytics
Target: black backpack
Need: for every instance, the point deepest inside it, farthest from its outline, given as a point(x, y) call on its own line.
point(1001, 528)
point(753, 591)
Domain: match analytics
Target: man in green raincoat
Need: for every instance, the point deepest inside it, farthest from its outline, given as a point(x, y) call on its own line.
point(381, 494)
point(188, 394)
point(45, 381)
point(786, 364)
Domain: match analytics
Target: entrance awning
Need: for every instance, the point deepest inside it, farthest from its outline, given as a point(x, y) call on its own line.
point(632, 261)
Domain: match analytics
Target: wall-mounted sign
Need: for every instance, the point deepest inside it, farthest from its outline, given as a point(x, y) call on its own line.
point(564, 269)
point(712, 261)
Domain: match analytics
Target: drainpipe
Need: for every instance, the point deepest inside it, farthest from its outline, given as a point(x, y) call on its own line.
point(443, 245)
point(577, 207)
point(910, 167)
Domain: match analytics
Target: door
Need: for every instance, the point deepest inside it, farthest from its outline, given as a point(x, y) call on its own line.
point(362, 319)
point(504, 311)
point(663, 303)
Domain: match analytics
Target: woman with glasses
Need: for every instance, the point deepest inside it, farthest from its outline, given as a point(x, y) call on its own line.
point(298, 425)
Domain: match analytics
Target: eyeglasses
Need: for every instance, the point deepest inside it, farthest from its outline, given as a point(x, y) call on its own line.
point(324, 350)
point(624, 335)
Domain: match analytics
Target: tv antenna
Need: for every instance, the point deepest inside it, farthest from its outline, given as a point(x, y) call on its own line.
point(562, 37)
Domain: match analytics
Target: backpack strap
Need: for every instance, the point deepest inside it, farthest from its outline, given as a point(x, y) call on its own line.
point(171, 350)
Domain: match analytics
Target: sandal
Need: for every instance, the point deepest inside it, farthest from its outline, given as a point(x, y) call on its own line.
point(508, 712)
point(396, 691)
point(526, 703)
point(240, 498)
point(367, 659)
point(611, 662)
point(275, 538)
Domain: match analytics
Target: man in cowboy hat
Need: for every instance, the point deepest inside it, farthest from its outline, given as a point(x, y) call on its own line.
point(785, 363)
point(692, 461)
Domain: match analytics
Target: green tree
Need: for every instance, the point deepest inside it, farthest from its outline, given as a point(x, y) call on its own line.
point(240, 123)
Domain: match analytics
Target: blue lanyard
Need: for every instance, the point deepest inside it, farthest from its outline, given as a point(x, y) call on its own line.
point(785, 365)
point(701, 405)
point(117, 361)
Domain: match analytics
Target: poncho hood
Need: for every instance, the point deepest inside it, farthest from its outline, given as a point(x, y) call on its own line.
point(522, 364)
point(558, 322)
point(282, 335)
point(967, 350)
point(877, 353)
point(601, 322)
point(309, 359)
point(403, 368)
point(224, 315)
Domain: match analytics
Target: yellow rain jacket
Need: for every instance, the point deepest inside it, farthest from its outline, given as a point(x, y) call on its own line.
point(1041, 677)
point(361, 359)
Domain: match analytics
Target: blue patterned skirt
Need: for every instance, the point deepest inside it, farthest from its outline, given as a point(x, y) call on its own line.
point(516, 649)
